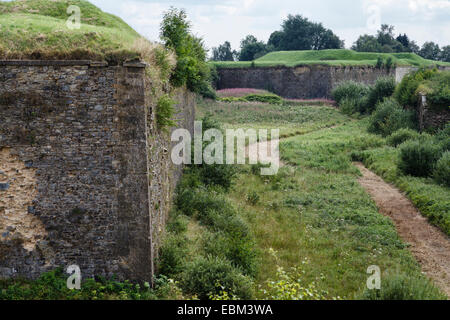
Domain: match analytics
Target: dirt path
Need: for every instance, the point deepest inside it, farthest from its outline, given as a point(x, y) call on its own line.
point(267, 146)
point(429, 245)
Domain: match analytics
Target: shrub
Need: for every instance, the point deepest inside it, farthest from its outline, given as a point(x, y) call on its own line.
point(253, 198)
point(443, 138)
point(228, 221)
point(238, 250)
point(264, 98)
point(406, 91)
point(383, 88)
point(418, 158)
point(165, 112)
point(172, 256)
point(350, 106)
point(402, 287)
point(217, 175)
point(192, 69)
point(53, 286)
point(437, 89)
point(289, 286)
point(389, 117)
point(350, 90)
point(202, 275)
point(442, 170)
point(401, 136)
point(177, 223)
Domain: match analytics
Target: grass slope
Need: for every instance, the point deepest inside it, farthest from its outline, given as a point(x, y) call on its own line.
point(318, 218)
point(290, 119)
point(37, 29)
point(334, 57)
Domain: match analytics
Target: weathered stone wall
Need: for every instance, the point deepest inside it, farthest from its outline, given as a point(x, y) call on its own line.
point(303, 82)
point(431, 117)
point(84, 171)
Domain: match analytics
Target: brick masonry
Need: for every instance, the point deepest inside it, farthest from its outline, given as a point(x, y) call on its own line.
point(86, 176)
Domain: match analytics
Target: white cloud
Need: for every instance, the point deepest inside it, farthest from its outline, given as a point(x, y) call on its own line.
point(218, 21)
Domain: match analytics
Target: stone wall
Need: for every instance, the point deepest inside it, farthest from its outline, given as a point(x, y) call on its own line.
point(431, 117)
point(303, 82)
point(85, 175)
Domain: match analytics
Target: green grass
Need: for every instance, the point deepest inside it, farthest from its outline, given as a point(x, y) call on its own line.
point(314, 214)
point(318, 218)
point(333, 57)
point(431, 199)
point(37, 29)
point(290, 119)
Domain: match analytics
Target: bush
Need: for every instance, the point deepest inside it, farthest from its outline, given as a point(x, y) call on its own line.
point(172, 255)
point(389, 117)
point(351, 106)
point(202, 276)
point(238, 250)
point(217, 175)
point(53, 286)
point(437, 89)
point(418, 158)
point(192, 69)
point(383, 88)
point(264, 98)
point(401, 136)
point(350, 90)
point(443, 138)
point(402, 287)
point(442, 170)
point(165, 112)
point(253, 198)
point(406, 91)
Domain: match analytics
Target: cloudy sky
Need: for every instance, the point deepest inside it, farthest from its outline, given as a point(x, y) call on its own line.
point(218, 21)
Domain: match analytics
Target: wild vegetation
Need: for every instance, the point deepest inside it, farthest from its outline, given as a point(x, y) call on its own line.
point(298, 33)
point(332, 57)
point(408, 159)
point(316, 228)
point(37, 29)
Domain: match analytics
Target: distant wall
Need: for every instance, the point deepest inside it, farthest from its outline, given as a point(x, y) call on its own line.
point(305, 82)
point(85, 175)
point(431, 117)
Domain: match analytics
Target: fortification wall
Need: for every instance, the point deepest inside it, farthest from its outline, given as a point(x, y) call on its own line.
point(304, 82)
point(85, 175)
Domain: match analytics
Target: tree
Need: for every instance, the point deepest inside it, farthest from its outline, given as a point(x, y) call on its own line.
point(385, 35)
point(445, 54)
point(252, 49)
point(430, 50)
point(298, 33)
point(224, 53)
point(404, 40)
point(414, 47)
point(192, 69)
point(275, 39)
point(367, 43)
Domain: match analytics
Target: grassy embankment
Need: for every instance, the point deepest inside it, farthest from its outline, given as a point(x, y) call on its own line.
point(36, 29)
point(290, 119)
point(332, 57)
point(314, 213)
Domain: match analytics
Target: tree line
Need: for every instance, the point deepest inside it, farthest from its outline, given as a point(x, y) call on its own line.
point(298, 33)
